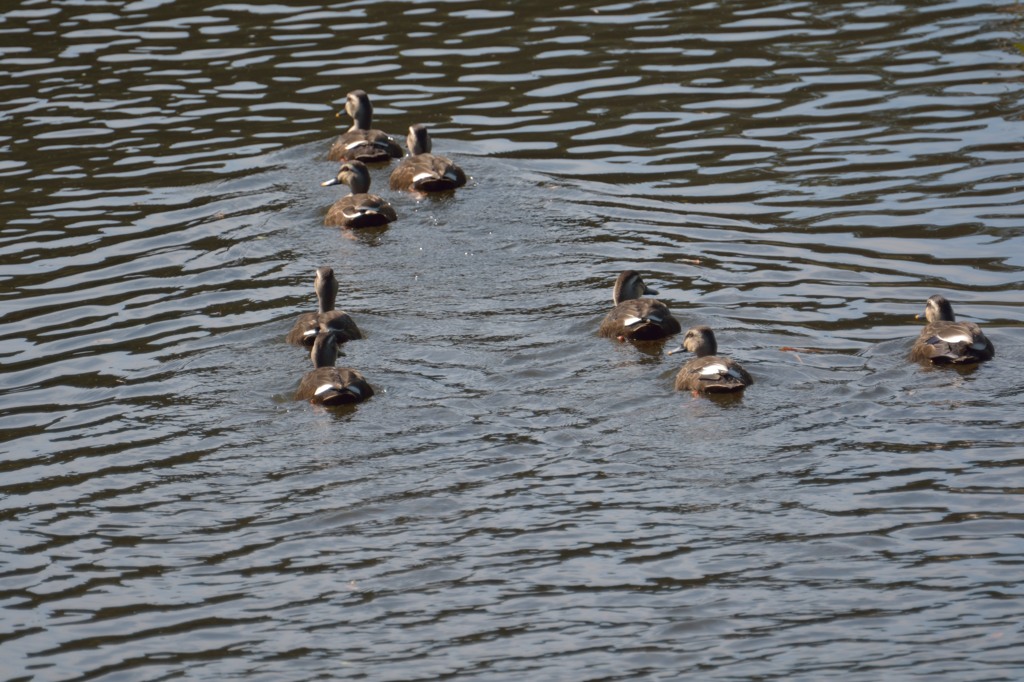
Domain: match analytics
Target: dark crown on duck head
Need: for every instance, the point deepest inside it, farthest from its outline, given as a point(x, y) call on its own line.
point(354, 174)
point(418, 139)
point(630, 285)
point(698, 340)
point(325, 349)
point(326, 287)
point(701, 341)
point(357, 105)
point(937, 309)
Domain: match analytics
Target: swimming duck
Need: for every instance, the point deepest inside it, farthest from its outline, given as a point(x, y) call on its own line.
point(360, 142)
point(945, 341)
point(359, 209)
point(708, 373)
point(422, 171)
point(308, 324)
point(327, 384)
point(636, 318)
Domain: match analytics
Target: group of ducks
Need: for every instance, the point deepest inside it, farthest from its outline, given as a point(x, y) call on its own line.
point(323, 332)
point(942, 341)
point(421, 171)
point(634, 317)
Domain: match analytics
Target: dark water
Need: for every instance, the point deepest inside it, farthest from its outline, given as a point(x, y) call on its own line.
point(521, 499)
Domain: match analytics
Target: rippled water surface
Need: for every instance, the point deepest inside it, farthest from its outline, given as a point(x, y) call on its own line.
point(522, 499)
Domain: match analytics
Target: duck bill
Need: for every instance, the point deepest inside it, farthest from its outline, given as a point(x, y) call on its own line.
point(681, 349)
point(328, 183)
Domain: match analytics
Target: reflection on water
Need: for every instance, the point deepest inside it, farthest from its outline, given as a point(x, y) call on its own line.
point(521, 498)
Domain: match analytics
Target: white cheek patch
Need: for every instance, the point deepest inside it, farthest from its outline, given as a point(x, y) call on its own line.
point(324, 388)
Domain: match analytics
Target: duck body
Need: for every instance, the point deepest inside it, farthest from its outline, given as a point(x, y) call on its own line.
point(341, 323)
point(634, 318)
point(641, 319)
point(944, 341)
point(361, 142)
point(328, 385)
point(360, 208)
point(333, 386)
point(422, 171)
point(368, 146)
point(712, 374)
point(708, 372)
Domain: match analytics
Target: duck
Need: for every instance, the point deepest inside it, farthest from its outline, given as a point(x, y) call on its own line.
point(944, 341)
point(422, 171)
point(308, 324)
point(326, 384)
point(360, 208)
point(634, 318)
point(361, 142)
point(708, 373)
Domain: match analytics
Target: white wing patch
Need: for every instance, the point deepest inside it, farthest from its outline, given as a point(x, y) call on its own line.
point(357, 143)
point(324, 388)
point(955, 338)
point(630, 321)
point(310, 332)
point(424, 176)
point(717, 368)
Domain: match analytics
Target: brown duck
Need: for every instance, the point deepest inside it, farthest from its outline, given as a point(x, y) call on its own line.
point(944, 341)
point(338, 321)
point(360, 208)
point(635, 318)
point(422, 171)
point(361, 142)
point(708, 373)
point(327, 384)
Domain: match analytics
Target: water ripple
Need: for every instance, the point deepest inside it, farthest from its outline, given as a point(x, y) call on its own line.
point(521, 499)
